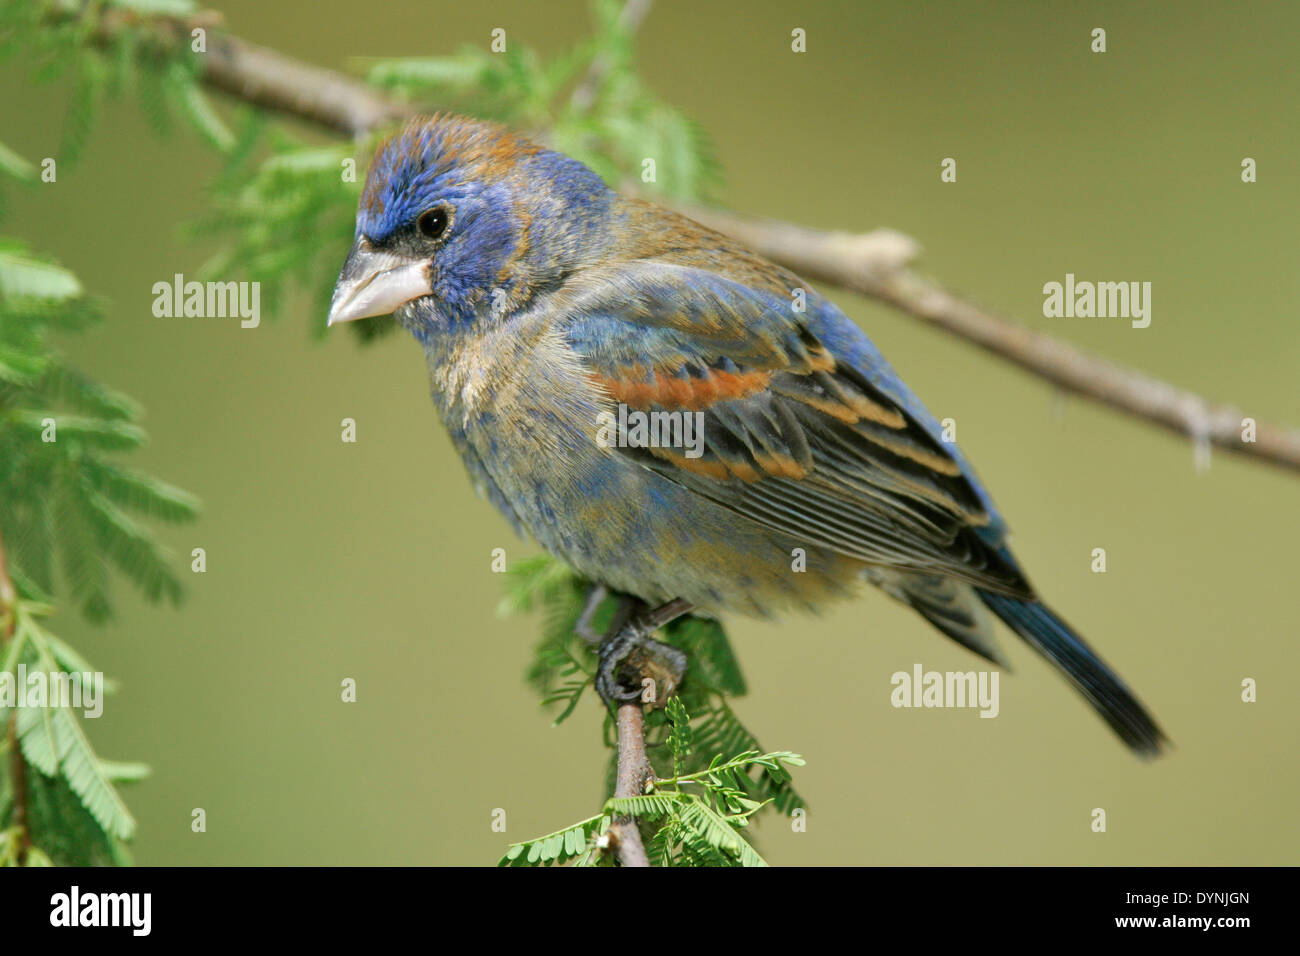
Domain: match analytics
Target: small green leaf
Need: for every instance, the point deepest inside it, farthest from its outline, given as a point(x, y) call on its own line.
point(15, 165)
point(23, 275)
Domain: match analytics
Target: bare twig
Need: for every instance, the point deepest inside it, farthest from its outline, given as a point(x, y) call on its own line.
point(633, 765)
point(875, 264)
point(872, 264)
point(634, 768)
point(633, 772)
point(267, 78)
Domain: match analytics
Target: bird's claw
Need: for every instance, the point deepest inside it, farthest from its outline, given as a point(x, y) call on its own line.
point(634, 666)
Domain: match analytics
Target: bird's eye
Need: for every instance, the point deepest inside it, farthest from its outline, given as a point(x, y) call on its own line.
point(433, 222)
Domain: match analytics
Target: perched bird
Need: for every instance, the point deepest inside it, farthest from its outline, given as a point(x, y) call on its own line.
point(546, 304)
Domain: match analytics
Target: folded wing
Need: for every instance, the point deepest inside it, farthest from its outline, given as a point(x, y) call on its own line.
point(794, 438)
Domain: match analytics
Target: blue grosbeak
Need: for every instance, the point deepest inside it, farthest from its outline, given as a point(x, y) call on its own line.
point(543, 299)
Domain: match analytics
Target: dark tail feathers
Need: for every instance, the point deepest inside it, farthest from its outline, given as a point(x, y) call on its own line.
point(1052, 638)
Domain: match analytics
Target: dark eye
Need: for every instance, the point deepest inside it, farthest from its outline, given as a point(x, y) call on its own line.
point(433, 223)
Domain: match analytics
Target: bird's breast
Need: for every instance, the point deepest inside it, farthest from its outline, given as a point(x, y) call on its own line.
point(526, 414)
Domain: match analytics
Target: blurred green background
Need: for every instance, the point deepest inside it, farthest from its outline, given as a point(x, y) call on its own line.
point(328, 560)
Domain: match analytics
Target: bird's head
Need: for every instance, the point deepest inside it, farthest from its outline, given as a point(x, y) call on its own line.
point(462, 221)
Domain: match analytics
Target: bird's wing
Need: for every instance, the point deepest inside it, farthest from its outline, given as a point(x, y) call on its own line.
point(793, 438)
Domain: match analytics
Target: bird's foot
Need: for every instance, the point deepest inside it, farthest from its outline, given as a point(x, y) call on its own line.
point(635, 666)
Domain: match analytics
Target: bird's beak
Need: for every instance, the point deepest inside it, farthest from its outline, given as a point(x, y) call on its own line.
point(376, 283)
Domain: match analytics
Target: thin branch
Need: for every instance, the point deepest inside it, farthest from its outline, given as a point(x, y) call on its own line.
point(634, 767)
point(875, 264)
point(269, 79)
point(872, 264)
point(633, 771)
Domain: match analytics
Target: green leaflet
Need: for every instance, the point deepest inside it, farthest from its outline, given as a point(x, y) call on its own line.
point(23, 275)
point(52, 741)
point(15, 166)
point(577, 844)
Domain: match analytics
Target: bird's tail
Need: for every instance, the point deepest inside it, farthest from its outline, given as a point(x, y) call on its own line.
point(1054, 639)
